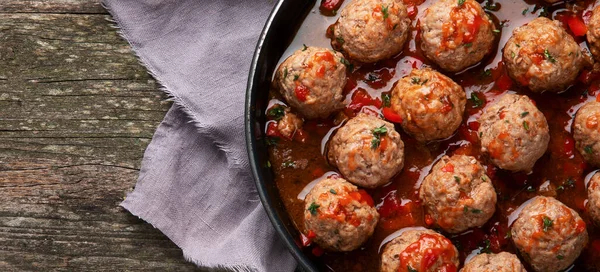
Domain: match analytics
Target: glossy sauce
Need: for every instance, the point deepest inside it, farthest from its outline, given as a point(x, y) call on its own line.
point(561, 172)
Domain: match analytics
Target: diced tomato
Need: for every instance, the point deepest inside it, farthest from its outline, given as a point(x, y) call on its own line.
point(392, 116)
point(304, 240)
point(361, 98)
point(300, 136)
point(504, 82)
point(473, 125)
point(330, 7)
point(383, 143)
point(317, 251)
point(588, 76)
point(412, 11)
point(576, 25)
point(448, 168)
point(429, 220)
point(311, 234)
point(272, 130)
point(301, 92)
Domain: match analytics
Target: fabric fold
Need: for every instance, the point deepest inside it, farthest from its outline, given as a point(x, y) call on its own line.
point(195, 184)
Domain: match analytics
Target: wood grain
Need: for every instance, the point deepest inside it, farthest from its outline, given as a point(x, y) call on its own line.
point(77, 111)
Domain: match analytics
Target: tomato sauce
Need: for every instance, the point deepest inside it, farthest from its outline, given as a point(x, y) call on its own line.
point(559, 173)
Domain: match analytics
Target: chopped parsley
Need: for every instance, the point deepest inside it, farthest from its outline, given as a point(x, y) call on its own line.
point(384, 10)
point(347, 63)
point(457, 179)
point(525, 125)
point(560, 257)
point(268, 164)
point(491, 6)
point(304, 47)
point(276, 113)
point(523, 114)
point(386, 100)
point(377, 133)
point(333, 191)
point(313, 208)
point(548, 223)
point(588, 149)
point(372, 77)
point(486, 246)
point(512, 54)
point(288, 164)
point(272, 140)
point(496, 31)
point(285, 72)
point(467, 45)
point(296, 77)
point(486, 73)
point(340, 40)
point(415, 80)
point(461, 2)
point(410, 269)
point(476, 211)
point(525, 11)
point(518, 45)
point(477, 102)
point(548, 56)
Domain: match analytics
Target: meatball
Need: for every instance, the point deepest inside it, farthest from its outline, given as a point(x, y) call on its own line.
point(407, 252)
point(371, 30)
point(513, 133)
point(338, 216)
point(543, 56)
point(456, 34)
point(457, 194)
point(586, 132)
point(367, 151)
point(593, 192)
point(593, 33)
point(431, 104)
point(501, 262)
point(548, 234)
point(311, 80)
point(288, 123)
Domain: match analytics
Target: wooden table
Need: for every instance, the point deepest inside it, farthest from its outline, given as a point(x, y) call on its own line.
point(77, 111)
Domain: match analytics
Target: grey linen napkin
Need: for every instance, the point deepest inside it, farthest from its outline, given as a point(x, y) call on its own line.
point(195, 184)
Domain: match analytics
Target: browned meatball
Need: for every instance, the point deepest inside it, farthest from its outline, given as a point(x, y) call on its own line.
point(513, 133)
point(548, 234)
point(501, 262)
point(288, 123)
point(593, 192)
point(586, 132)
point(340, 216)
point(543, 56)
point(406, 252)
point(458, 194)
point(431, 104)
point(311, 80)
point(371, 30)
point(456, 34)
point(593, 33)
point(367, 150)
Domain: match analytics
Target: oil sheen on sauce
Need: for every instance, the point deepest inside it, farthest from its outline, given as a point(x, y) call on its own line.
point(560, 173)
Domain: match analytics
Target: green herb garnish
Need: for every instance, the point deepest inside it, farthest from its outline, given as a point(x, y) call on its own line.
point(477, 102)
point(548, 223)
point(313, 208)
point(377, 133)
point(523, 114)
point(384, 10)
point(526, 125)
point(548, 56)
point(276, 113)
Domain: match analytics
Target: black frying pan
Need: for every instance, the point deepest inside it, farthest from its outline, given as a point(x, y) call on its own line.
point(280, 29)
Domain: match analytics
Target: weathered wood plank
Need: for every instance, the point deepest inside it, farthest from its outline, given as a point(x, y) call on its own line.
point(52, 6)
point(77, 111)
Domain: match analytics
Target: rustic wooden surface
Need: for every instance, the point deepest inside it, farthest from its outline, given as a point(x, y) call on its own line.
point(77, 111)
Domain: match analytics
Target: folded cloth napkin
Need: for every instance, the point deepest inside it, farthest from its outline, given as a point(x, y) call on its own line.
point(195, 184)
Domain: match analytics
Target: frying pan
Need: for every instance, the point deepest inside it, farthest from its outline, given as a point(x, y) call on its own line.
point(280, 28)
